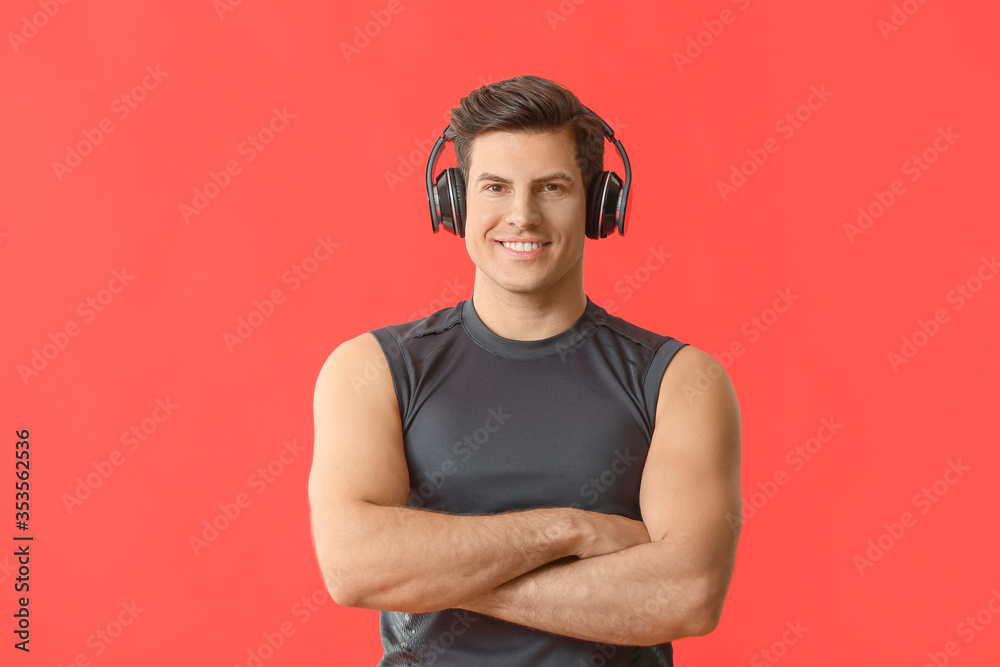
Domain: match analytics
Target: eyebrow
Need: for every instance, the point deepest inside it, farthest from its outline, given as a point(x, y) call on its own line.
point(554, 176)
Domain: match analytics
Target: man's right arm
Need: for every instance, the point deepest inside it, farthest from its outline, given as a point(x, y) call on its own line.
point(375, 552)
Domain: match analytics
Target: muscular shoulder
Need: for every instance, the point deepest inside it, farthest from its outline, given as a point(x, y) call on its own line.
point(357, 349)
point(356, 367)
point(695, 377)
point(352, 354)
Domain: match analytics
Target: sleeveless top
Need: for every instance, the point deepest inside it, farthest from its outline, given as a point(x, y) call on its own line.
point(491, 425)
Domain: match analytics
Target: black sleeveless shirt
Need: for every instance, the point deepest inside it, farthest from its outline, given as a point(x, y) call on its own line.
point(492, 424)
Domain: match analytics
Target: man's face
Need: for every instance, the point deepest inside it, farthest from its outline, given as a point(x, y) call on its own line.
point(526, 187)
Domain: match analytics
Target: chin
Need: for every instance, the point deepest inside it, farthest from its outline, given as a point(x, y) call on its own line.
point(524, 286)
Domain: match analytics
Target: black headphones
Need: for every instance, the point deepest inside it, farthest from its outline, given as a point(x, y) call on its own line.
point(607, 196)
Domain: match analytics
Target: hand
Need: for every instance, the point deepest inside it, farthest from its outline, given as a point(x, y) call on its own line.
point(607, 533)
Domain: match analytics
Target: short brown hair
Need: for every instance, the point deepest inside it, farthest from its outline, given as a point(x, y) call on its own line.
point(527, 104)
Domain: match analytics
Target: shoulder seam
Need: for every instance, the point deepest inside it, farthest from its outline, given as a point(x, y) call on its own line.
point(605, 321)
point(457, 318)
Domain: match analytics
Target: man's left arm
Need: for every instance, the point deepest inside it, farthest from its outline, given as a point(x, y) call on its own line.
point(675, 585)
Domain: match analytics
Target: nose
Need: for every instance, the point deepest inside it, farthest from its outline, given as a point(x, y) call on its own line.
point(523, 211)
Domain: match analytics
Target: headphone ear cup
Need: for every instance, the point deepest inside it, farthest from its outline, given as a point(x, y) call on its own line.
point(459, 185)
point(594, 193)
point(450, 189)
point(610, 203)
point(602, 205)
point(442, 197)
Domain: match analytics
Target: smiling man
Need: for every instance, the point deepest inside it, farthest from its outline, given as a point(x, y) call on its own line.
point(526, 481)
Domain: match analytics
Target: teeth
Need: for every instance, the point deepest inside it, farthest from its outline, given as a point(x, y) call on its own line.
point(521, 247)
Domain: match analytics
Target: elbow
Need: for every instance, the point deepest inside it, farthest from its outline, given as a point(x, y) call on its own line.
point(340, 585)
point(346, 596)
point(347, 582)
point(704, 620)
point(348, 591)
point(694, 613)
point(359, 573)
point(706, 612)
point(362, 589)
point(350, 578)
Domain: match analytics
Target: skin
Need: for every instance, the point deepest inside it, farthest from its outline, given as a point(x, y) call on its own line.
point(582, 574)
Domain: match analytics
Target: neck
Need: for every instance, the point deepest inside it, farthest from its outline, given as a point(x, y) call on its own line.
point(528, 316)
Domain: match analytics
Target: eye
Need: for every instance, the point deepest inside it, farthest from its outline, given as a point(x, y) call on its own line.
point(489, 188)
point(556, 187)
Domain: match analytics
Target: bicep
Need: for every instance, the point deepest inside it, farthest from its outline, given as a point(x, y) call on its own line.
point(690, 488)
point(358, 446)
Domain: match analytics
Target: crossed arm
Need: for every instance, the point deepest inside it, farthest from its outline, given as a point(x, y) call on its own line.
point(582, 574)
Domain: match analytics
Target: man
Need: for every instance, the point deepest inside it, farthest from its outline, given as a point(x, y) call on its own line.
point(526, 481)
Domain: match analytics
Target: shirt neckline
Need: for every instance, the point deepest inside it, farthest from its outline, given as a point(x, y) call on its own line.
point(527, 349)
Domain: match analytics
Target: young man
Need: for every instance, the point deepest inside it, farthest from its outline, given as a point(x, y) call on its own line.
point(526, 481)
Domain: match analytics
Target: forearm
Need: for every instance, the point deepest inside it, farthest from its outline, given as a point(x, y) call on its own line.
point(412, 560)
point(638, 596)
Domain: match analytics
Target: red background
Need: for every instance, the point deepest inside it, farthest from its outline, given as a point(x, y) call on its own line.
point(357, 117)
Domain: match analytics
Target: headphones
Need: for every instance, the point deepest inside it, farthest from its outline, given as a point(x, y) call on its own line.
point(607, 195)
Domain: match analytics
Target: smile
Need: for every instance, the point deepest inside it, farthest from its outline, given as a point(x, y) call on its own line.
point(523, 250)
